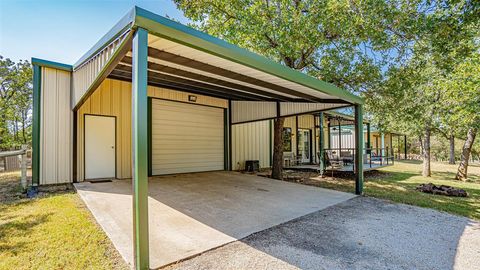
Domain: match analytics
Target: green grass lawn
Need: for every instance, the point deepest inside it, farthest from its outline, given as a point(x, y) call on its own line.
point(397, 183)
point(55, 231)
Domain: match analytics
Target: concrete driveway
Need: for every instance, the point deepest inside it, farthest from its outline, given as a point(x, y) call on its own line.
point(361, 233)
point(192, 213)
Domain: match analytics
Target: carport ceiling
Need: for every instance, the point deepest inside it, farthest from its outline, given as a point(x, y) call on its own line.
point(184, 68)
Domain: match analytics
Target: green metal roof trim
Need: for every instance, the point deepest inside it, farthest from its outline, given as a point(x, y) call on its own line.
point(185, 35)
point(177, 32)
point(50, 64)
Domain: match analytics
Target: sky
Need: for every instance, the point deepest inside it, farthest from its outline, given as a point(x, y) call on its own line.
point(63, 30)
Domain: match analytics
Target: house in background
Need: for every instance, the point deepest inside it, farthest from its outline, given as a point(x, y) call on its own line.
point(302, 144)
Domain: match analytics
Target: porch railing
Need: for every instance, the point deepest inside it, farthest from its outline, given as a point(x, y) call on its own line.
point(372, 157)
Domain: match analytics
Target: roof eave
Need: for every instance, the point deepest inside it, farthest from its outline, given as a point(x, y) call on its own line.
point(188, 36)
point(51, 64)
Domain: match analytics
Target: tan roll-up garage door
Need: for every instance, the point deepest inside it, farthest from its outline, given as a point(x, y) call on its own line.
point(186, 138)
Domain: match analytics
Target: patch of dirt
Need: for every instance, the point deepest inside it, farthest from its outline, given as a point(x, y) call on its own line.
point(315, 179)
point(10, 188)
point(442, 190)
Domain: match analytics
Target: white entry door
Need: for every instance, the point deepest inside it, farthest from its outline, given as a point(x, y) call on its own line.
point(99, 147)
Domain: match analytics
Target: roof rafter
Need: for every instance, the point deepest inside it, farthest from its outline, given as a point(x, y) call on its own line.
point(199, 77)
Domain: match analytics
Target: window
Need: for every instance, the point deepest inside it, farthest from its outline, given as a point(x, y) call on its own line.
point(287, 139)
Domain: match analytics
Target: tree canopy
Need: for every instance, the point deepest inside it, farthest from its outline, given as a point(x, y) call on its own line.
point(413, 61)
point(15, 103)
point(346, 43)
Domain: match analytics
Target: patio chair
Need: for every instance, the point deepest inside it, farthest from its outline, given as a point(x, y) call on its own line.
point(346, 157)
point(297, 160)
point(334, 163)
point(288, 160)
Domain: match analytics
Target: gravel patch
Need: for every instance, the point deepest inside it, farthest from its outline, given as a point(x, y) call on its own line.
point(362, 233)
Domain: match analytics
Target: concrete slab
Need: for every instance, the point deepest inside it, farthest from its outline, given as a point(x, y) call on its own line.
point(192, 213)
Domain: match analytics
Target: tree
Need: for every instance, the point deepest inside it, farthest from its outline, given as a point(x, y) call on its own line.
point(15, 103)
point(465, 96)
point(342, 42)
point(416, 96)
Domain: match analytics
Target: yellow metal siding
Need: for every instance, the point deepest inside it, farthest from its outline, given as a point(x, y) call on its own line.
point(168, 94)
point(55, 128)
point(289, 108)
point(113, 98)
point(251, 141)
point(85, 75)
point(306, 121)
point(243, 111)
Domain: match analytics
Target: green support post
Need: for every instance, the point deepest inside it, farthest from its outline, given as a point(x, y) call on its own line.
point(359, 149)
point(140, 149)
point(37, 79)
point(339, 137)
point(321, 146)
point(369, 146)
point(270, 142)
point(328, 135)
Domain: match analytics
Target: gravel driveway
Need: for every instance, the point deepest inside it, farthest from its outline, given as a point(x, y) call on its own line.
point(362, 233)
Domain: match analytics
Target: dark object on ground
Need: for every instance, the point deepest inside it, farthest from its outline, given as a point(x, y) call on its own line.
point(93, 181)
point(442, 190)
point(252, 165)
point(32, 192)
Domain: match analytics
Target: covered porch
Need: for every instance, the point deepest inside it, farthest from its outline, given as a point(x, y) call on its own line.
point(336, 133)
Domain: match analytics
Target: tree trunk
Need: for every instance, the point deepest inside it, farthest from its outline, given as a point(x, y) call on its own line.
point(426, 153)
point(277, 163)
point(452, 150)
point(467, 148)
point(420, 138)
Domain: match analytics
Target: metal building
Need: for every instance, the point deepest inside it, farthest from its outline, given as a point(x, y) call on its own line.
point(156, 97)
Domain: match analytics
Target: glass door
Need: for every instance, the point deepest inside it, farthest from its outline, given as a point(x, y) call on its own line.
point(304, 145)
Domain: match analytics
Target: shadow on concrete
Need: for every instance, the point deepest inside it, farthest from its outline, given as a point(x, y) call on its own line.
point(192, 213)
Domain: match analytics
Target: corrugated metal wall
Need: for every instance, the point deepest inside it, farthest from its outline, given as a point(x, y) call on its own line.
point(348, 139)
point(183, 96)
point(289, 108)
point(113, 98)
point(55, 127)
point(251, 141)
point(84, 75)
point(257, 131)
point(243, 111)
point(306, 121)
